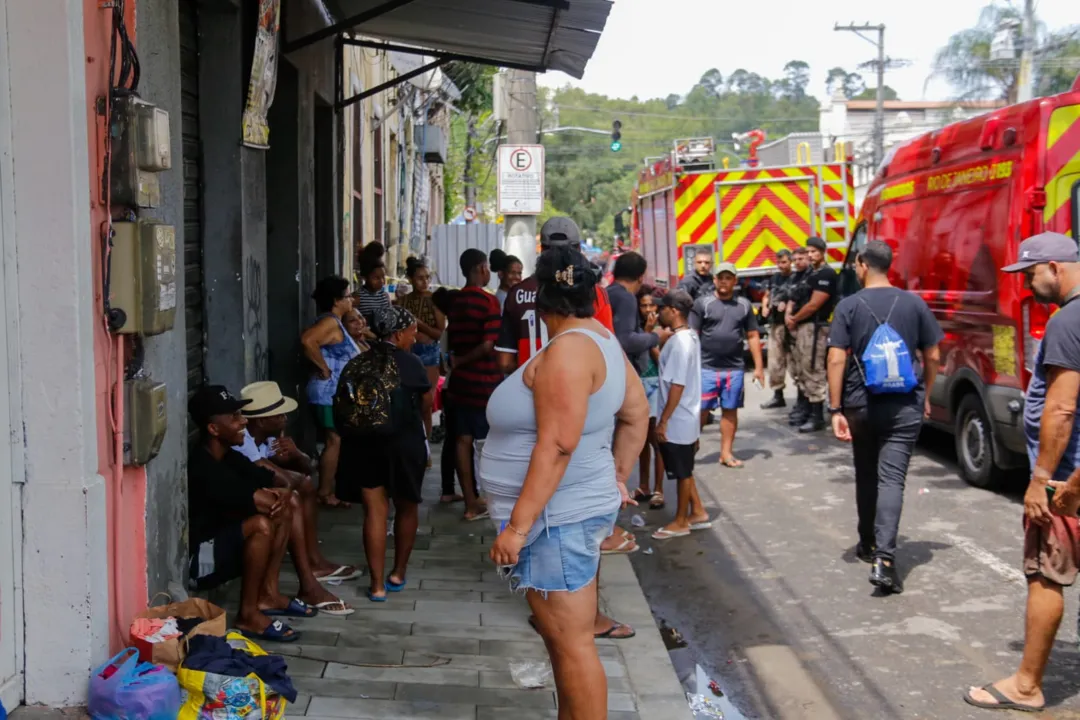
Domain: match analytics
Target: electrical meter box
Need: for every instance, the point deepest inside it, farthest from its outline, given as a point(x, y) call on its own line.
point(145, 419)
point(140, 149)
point(142, 277)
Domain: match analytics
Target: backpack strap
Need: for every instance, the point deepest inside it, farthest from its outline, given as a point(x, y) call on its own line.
point(878, 320)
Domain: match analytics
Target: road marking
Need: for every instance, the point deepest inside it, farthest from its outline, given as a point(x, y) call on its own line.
point(987, 558)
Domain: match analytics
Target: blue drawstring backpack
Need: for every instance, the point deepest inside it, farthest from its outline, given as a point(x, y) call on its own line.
point(886, 362)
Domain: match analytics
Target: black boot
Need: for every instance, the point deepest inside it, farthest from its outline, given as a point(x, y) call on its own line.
point(885, 577)
point(800, 412)
point(776, 402)
point(815, 420)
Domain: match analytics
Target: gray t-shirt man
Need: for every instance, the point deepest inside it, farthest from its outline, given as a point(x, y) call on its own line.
point(723, 326)
point(1060, 347)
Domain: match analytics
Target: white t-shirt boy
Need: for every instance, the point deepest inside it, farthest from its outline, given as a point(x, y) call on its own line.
point(680, 364)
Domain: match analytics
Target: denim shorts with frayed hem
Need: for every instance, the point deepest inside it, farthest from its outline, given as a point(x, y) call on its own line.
point(564, 558)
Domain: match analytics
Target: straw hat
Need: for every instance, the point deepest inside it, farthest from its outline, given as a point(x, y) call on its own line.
point(265, 400)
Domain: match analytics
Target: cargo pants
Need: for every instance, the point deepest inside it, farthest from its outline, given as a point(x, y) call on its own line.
point(780, 356)
point(811, 347)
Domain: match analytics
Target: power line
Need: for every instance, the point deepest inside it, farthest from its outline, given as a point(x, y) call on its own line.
point(674, 116)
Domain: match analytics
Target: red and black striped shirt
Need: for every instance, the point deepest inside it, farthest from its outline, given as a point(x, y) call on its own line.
point(473, 319)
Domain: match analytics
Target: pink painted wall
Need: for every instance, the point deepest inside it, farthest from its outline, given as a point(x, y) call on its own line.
point(126, 486)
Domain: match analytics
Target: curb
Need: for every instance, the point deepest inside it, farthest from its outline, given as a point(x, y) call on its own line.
point(656, 688)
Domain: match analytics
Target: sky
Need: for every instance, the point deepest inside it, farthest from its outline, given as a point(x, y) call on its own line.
point(649, 53)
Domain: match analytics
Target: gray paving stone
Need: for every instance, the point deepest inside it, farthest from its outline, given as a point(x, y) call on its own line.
point(479, 633)
point(468, 585)
point(371, 653)
point(394, 645)
point(502, 713)
point(304, 667)
point(612, 666)
point(298, 708)
point(326, 708)
point(476, 696)
point(524, 649)
point(319, 688)
point(442, 675)
point(364, 624)
point(504, 679)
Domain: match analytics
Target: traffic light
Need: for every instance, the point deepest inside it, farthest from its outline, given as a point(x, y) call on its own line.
point(616, 136)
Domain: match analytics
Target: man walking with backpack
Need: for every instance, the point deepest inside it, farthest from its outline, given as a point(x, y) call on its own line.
point(878, 399)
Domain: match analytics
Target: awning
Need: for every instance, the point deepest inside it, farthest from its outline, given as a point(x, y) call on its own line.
point(538, 35)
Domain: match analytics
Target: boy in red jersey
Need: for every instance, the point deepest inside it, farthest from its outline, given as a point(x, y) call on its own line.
point(522, 334)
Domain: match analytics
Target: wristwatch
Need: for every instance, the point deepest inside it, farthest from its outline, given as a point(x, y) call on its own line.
point(835, 410)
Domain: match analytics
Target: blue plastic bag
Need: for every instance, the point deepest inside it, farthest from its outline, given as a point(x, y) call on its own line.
point(126, 689)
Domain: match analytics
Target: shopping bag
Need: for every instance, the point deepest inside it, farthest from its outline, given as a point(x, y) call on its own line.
point(222, 697)
point(126, 689)
point(170, 653)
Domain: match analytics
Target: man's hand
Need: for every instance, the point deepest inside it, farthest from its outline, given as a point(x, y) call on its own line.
point(1066, 499)
point(324, 373)
point(759, 375)
point(1036, 504)
point(663, 333)
point(926, 407)
point(285, 449)
point(789, 323)
point(840, 427)
point(661, 431)
point(271, 501)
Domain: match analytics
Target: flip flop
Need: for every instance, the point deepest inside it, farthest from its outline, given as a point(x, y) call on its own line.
point(336, 504)
point(375, 598)
point(277, 632)
point(701, 525)
point(1003, 703)
point(626, 547)
point(334, 608)
point(297, 608)
point(731, 462)
point(640, 496)
point(392, 586)
point(657, 502)
point(610, 632)
point(665, 534)
point(340, 575)
point(478, 516)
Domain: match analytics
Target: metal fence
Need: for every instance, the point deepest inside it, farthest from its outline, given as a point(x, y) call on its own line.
point(449, 241)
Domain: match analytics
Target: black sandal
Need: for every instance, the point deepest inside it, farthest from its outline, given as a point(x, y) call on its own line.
point(1003, 703)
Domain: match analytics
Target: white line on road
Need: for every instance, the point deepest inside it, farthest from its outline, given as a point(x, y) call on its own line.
point(987, 558)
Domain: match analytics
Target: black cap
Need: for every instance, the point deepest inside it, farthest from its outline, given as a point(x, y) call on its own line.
point(816, 242)
point(1043, 248)
point(212, 400)
point(560, 231)
point(679, 300)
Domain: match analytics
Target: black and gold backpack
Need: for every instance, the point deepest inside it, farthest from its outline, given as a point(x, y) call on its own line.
point(363, 400)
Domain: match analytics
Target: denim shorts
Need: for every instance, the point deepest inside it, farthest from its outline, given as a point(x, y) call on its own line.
point(564, 558)
point(428, 353)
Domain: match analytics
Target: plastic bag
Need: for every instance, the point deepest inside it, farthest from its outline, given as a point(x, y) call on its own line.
point(530, 674)
point(126, 689)
point(229, 698)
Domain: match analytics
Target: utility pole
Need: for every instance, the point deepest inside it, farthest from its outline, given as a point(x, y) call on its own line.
point(879, 114)
point(1025, 89)
point(521, 129)
point(470, 185)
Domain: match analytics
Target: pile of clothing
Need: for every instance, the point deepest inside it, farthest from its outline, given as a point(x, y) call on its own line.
point(157, 630)
point(214, 655)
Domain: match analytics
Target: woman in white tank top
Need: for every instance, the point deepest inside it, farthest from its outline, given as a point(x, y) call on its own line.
point(566, 431)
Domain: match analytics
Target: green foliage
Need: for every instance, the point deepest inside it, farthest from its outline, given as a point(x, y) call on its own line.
point(965, 61)
point(871, 94)
point(851, 83)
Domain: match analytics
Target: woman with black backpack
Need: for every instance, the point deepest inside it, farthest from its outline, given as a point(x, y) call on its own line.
point(378, 410)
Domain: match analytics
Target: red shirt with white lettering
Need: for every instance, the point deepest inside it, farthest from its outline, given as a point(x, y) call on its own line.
point(523, 332)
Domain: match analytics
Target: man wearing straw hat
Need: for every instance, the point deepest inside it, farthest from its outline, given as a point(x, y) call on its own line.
point(266, 444)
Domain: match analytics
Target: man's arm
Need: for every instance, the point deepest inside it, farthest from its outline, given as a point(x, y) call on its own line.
point(492, 328)
point(1056, 427)
point(753, 338)
point(837, 363)
point(283, 477)
point(625, 318)
point(817, 299)
point(765, 304)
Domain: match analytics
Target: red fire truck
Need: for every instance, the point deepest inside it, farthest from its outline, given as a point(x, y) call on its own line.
point(954, 204)
point(743, 215)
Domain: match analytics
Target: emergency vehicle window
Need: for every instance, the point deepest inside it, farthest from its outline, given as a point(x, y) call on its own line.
point(858, 242)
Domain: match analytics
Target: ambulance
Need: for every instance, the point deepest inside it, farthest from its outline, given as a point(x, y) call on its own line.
point(684, 201)
point(954, 204)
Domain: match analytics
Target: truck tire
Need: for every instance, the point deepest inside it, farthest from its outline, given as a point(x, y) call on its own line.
point(975, 444)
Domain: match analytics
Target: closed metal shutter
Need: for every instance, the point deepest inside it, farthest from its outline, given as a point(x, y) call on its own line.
point(193, 237)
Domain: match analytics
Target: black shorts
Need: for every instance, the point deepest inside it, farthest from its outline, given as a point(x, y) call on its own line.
point(470, 421)
point(216, 561)
point(678, 460)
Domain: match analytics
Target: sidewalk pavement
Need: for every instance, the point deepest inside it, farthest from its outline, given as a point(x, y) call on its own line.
point(442, 648)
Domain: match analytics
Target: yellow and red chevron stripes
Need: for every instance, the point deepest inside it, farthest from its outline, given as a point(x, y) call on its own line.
point(760, 217)
point(1062, 159)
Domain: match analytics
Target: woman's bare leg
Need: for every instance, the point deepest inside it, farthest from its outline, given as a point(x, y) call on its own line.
point(376, 509)
point(328, 463)
point(406, 521)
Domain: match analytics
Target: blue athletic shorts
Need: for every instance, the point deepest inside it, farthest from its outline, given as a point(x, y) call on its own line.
point(564, 558)
point(721, 388)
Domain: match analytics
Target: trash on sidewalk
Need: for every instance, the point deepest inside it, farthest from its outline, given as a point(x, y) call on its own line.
point(672, 638)
point(647, 551)
point(924, 491)
point(637, 521)
point(714, 688)
point(702, 707)
point(125, 687)
point(531, 674)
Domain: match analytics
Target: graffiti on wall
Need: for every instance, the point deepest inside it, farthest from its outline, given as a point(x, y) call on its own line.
point(254, 327)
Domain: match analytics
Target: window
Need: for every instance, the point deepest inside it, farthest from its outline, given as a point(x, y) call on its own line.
point(377, 185)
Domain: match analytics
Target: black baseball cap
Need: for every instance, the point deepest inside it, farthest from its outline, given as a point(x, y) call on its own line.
point(211, 400)
point(1043, 248)
point(679, 300)
point(816, 242)
point(560, 231)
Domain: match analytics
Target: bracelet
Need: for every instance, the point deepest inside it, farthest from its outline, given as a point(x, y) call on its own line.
point(514, 530)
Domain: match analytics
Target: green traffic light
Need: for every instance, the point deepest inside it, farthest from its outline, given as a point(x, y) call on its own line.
point(616, 146)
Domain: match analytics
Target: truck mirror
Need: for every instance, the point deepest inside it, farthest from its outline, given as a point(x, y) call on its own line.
point(620, 226)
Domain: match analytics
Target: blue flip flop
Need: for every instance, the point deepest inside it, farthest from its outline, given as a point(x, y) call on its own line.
point(297, 608)
point(277, 632)
point(392, 586)
point(375, 598)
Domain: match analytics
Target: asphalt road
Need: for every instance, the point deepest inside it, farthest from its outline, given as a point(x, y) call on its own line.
point(774, 606)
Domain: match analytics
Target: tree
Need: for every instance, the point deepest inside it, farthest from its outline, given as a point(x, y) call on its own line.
point(712, 82)
point(672, 101)
point(871, 94)
point(850, 83)
point(796, 79)
point(967, 64)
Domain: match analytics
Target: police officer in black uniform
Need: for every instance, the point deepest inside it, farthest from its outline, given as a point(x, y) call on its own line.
point(773, 308)
point(797, 292)
point(809, 321)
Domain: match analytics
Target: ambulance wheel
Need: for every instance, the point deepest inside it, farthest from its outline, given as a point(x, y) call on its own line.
point(975, 444)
